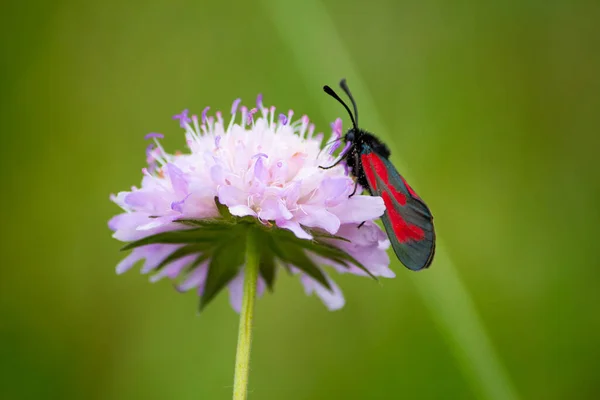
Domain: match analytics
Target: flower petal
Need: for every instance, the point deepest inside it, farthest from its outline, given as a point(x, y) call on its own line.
point(232, 196)
point(241, 211)
point(260, 170)
point(155, 254)
point(180, 185)
point(292, 193)
point(157, 222)
point(335, 190)
point(127, 226)
point(127, 221)
point(173, 269)
point(316, 217)
point(294, 227)
point(195, 279)
point(273, 208)
point(217, 174)
point(149, 201)
point(369, 234)
point(333, 300)
point(128, 262)
point(359, 208)
point(257, 167)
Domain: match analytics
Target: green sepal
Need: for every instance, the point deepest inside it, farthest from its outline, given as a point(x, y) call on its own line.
point(222, 241)
point(223, 210)
point(324, 235)
point(224, 266)
point(192, 266)
point(266, 263)
point(174, 237)
point(180, 253)
point(333, 253)
point(208, 223)
point(290, 253)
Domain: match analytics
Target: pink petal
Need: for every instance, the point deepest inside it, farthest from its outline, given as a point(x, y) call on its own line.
point(359, 208)
point(157, 222)
point(217, 174)
point(280, 171)
point(317, 217)
point(295, 163)
point(335, 190)
point(333, 300)
point(283, 210)
point(196, 278)
point(260, 170)
point(201, 203)
point(232, 196)
point(292, 193)
point(180, 185)
point(294, 227)
point(336, 126)
point(127, 221)
point(119, 199)
point(272, 208)
point(149, 201)
point(367, 235)
point(173, 269)
point(128, 262)
point(128, 224)
point(155, 254)
point(241, 211)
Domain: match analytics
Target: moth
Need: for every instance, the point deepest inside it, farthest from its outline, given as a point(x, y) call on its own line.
point(407, 219)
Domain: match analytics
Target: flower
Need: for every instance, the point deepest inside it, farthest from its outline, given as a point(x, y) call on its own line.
point(260, 171)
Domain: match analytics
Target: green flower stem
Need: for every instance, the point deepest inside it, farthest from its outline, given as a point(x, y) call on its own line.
point(242, 356)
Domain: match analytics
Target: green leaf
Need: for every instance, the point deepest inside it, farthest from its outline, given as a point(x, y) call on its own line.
point(174, 237)
point(267, 266)
point(223, 210)
point(289, 252)
point(210, 223)
point(280, 263)
point(200, 259)
point(331, 252)
point(224, 266)
point(324, 235)
point(180, 253)
point(192, 266)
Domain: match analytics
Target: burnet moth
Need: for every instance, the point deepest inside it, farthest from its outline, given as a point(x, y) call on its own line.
point(407, 219)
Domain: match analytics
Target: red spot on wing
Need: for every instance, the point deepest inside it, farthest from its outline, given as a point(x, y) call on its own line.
point(374, 166)
point(403, 231)
point(400, 197)
point(369, 171)
point(410, 190)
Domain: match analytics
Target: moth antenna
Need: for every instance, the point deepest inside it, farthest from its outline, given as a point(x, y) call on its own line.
point(346, 89)
point(333, 94)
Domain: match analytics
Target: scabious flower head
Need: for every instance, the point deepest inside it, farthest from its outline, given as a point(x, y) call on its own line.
point(260, 171)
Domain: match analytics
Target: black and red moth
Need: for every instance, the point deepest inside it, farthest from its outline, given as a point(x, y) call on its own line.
point(407, 219)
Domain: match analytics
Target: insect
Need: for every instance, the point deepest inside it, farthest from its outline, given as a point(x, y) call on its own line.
point(407, 219)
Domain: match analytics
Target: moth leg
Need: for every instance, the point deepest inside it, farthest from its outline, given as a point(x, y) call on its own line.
point(342, 158)
point(334, 164)
point(355, 187)
point(361, 224)
point(356, 162)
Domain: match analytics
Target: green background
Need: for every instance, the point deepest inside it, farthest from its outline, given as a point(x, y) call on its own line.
point(492, 113)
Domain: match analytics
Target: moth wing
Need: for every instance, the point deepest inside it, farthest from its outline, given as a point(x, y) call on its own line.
point(407, 219)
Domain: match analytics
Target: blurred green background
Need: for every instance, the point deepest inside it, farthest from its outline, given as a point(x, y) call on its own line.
point(490, 108)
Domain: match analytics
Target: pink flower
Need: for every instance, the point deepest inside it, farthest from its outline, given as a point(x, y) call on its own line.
point(260, 169)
